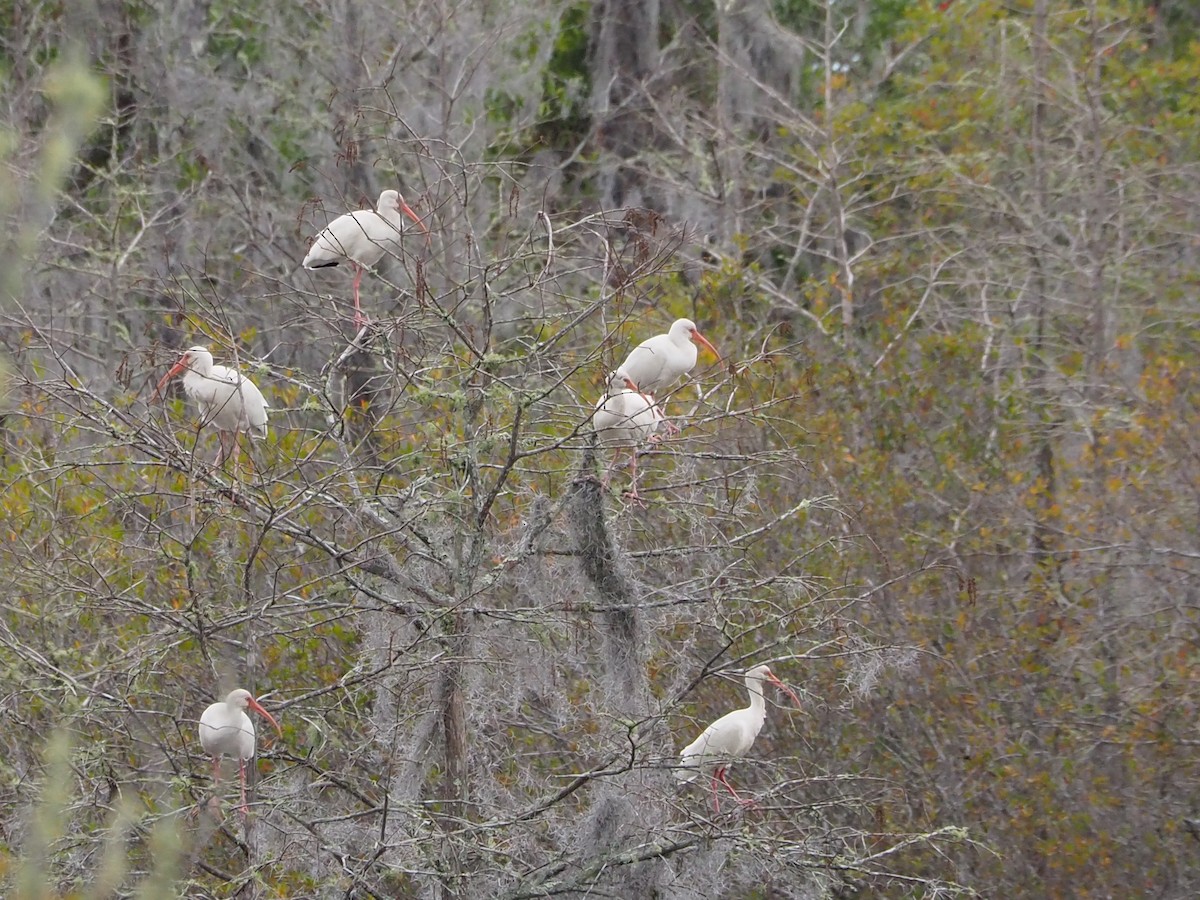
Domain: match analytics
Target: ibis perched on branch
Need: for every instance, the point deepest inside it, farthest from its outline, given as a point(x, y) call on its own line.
point(624, 419)
point(228, 400)
point(363, 237)
point(730, 737)
point(658, 362)
point(226, 730)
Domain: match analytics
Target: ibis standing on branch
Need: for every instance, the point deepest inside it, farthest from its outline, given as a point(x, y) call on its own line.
point(228, 400)
point(625, 418)
point(730, 737)
point(363, 237)
point(658, 362)
point(226, 730)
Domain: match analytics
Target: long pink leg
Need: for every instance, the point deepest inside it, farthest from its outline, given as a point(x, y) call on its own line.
point(242, 771)
point(359, 319)
point(237, 459)
point(214, 802)
point(736, 796)
point(608, 470)
point(671, 427)
point(632, 493)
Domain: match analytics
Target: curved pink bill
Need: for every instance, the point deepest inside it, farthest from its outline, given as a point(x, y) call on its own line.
point(257, 707)
point(408, 211)
point(696, 335)
point(783, 687)
point(180, 366)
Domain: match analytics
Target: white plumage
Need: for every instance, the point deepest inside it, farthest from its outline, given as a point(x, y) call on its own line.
point(730, 737)
point(624, 419)
point(658, 362)
point(362, 237)
point(226, 730)
point(228, 400)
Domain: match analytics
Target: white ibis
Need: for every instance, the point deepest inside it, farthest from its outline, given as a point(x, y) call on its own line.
point(658, 362)
point(227, 399)
point(730, 736)
point(362, 237)
point(625, 418)
point(226, 730)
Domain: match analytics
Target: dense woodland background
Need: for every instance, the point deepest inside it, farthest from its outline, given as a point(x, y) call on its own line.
point(947, 480)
